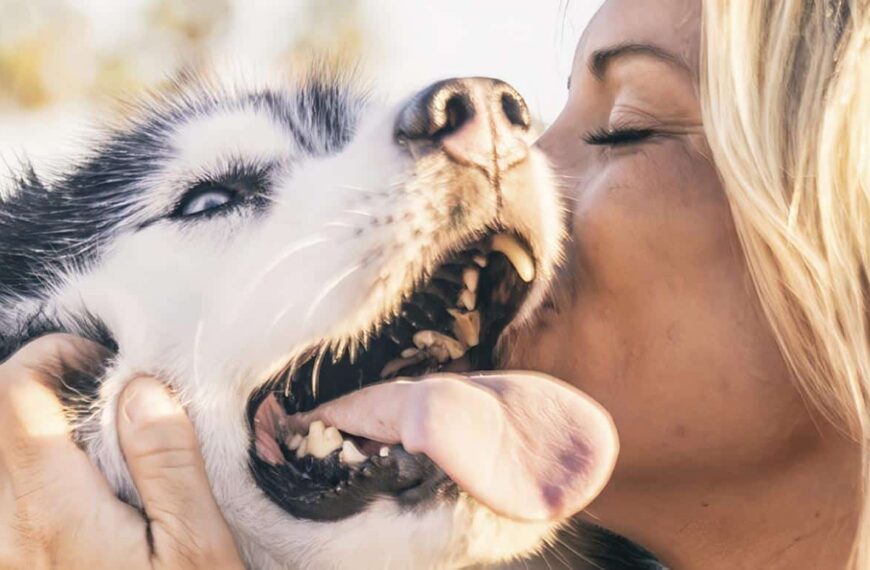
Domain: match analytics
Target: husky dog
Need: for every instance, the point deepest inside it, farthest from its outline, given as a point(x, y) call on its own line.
point(266, 251)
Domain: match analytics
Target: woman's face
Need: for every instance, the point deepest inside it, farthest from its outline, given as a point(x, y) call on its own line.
point(655, 315)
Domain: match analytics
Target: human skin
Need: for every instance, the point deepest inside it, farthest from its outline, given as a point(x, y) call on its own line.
point(57, 510)
point(721, 464)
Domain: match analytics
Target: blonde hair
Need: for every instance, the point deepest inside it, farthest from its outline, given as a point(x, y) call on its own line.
point(785, 89)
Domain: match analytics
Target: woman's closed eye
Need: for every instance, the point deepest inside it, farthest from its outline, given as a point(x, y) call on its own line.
point(618, 136)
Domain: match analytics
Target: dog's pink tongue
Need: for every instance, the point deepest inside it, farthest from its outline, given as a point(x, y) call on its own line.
point(525, 445)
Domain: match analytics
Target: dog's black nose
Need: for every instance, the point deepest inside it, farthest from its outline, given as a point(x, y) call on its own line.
point(475, 120)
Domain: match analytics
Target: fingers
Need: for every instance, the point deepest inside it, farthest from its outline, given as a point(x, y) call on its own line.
point(163, 456)
point(57, 506)
point(50, 489)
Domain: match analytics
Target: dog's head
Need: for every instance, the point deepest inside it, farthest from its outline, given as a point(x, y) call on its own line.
point(267, 251)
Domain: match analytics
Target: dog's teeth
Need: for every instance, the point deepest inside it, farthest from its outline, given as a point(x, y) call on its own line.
point(439, 345)
point(315, 429)
point(516, 254)
point(350, 455)
point(302, 450)
point(480, 260)
point(471, 276)
point(467, 299)
point(409, 352)
point(293, 442)
point(332, 440)
point(384, 451)
point(466, 326)
point(322, 440)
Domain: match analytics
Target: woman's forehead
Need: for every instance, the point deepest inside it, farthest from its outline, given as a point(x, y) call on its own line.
point(673, 26)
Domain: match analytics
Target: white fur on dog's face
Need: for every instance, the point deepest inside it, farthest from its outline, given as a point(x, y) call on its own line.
point(214, 304)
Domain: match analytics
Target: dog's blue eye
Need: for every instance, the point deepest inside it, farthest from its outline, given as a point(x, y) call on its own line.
point(205, 198)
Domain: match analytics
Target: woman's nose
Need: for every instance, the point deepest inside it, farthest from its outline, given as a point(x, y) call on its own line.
point(477, 121)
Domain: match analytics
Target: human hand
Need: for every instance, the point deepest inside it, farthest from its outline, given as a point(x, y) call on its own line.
point(56, 508)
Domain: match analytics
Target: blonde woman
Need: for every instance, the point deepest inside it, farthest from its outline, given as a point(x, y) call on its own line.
point(716, 163)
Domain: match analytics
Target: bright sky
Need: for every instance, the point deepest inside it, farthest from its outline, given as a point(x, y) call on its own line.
point(529, 43)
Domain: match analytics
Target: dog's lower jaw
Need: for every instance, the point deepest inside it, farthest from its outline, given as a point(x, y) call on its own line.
point(455, 533)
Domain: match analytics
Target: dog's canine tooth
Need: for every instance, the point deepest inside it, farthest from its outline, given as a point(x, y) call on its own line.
point(432, 341)
point(480, 260)
point(467, 299)
point(384, 451)
point(322, 440)
point(350, 454)
point(471, 276)
point(466, 326)
point(516, 254)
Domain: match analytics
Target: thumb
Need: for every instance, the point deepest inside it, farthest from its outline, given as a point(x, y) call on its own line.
point(164, 460)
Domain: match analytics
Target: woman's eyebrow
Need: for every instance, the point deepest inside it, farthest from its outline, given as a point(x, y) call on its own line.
point(600, 59)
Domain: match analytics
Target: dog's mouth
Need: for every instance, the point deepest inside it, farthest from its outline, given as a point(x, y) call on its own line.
point(451, 322)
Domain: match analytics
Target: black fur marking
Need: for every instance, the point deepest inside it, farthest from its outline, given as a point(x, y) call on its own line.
point(586, 546)
point(606, 550)
point(322, 115)
point(45, 231)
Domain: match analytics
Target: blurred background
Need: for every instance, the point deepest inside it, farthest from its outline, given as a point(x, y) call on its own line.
point(63, 61)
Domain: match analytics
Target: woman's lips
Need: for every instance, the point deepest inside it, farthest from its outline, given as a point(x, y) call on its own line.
point(525, 445)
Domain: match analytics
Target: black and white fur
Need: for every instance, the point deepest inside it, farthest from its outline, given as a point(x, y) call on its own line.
point(336, 224)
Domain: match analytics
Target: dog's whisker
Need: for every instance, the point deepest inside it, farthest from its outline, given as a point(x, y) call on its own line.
point(329, 288)
point(339, 224)
point(281, 257)
point(563, 543)
point(279, 317)
point(361, 190)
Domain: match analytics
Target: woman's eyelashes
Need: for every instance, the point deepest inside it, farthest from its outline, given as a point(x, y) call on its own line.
point(618, 136)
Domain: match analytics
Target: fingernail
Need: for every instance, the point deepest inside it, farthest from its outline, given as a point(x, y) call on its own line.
point(146, 399)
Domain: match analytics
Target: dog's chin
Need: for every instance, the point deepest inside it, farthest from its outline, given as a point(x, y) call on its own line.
point(454, 533)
